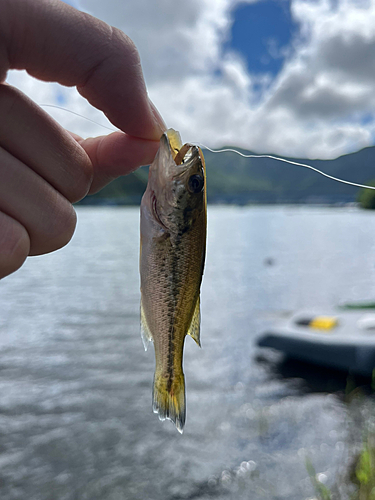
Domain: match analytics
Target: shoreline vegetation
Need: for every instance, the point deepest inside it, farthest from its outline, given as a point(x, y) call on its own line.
point(244, 181)
point(356, 479)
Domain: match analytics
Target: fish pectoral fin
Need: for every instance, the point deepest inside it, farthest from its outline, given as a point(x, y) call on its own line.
point(145, 331)
point(195, 325)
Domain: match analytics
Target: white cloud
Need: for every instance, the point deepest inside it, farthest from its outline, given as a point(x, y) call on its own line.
point(175, 38)
point(320, 105)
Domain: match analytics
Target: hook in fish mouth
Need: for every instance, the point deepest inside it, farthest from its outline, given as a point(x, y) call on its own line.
point(184, 154)
point(181, 153)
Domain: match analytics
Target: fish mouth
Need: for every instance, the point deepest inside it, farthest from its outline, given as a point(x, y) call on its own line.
point(169, 174)
point(188, 161)
point(184, 154)
point(181, 153)
point(174, 141)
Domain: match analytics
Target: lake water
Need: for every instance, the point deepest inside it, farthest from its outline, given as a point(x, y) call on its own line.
point(75, 383)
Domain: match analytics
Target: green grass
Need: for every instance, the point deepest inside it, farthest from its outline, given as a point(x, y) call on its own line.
point(321, 491)
point(358, 482)
point(363, 474)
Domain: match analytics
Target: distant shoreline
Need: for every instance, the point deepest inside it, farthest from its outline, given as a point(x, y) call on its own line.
point(110, 202)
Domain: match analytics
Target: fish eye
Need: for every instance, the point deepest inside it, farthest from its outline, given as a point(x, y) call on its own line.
point(195, 184)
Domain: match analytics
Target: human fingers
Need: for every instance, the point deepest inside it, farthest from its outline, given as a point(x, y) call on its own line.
point(32, 136)
point(116, 154)
point(14, 245)
point(41, 210)
point(55, 42)
point(41, 168)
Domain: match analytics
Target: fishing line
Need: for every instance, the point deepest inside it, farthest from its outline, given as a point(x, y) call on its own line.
point(230, 150)
point(77, 114)
point(137, 172)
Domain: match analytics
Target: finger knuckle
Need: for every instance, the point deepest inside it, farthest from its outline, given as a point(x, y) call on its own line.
point(122, 40)
point(9, 99)
point(82, 179)
point(14, 249)
point(57, 229)
point(64, 224)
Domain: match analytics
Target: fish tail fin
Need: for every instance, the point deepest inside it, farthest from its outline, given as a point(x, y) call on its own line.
point(168, 399)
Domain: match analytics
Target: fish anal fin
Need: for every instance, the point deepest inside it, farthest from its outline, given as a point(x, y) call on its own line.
point(145, 331)
point(195, 325)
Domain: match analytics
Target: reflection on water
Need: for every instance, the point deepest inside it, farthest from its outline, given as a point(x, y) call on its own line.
point(75, 384)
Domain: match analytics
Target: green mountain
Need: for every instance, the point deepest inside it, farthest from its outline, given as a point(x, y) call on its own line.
point(234, 179)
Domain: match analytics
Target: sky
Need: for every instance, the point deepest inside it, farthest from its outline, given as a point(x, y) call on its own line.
point(288, 77)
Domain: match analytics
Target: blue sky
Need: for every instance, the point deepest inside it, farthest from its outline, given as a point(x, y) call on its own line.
point(73, 3)
point(262, 33)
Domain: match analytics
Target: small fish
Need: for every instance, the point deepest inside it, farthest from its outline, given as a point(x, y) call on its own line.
point(173, 244)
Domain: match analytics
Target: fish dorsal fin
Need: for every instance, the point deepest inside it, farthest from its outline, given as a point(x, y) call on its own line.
point(195, 325)
point(145, 331)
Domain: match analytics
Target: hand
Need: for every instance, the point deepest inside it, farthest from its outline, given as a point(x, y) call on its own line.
point(44, 168)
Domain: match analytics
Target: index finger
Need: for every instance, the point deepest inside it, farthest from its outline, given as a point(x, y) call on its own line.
point(56, 42)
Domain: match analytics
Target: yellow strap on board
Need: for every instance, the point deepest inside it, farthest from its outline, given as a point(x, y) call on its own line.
point(323, 322)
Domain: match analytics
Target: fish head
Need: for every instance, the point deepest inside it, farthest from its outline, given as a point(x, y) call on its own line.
point(177, 181)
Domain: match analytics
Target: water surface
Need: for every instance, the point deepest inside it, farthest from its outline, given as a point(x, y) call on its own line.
point(75, 383)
